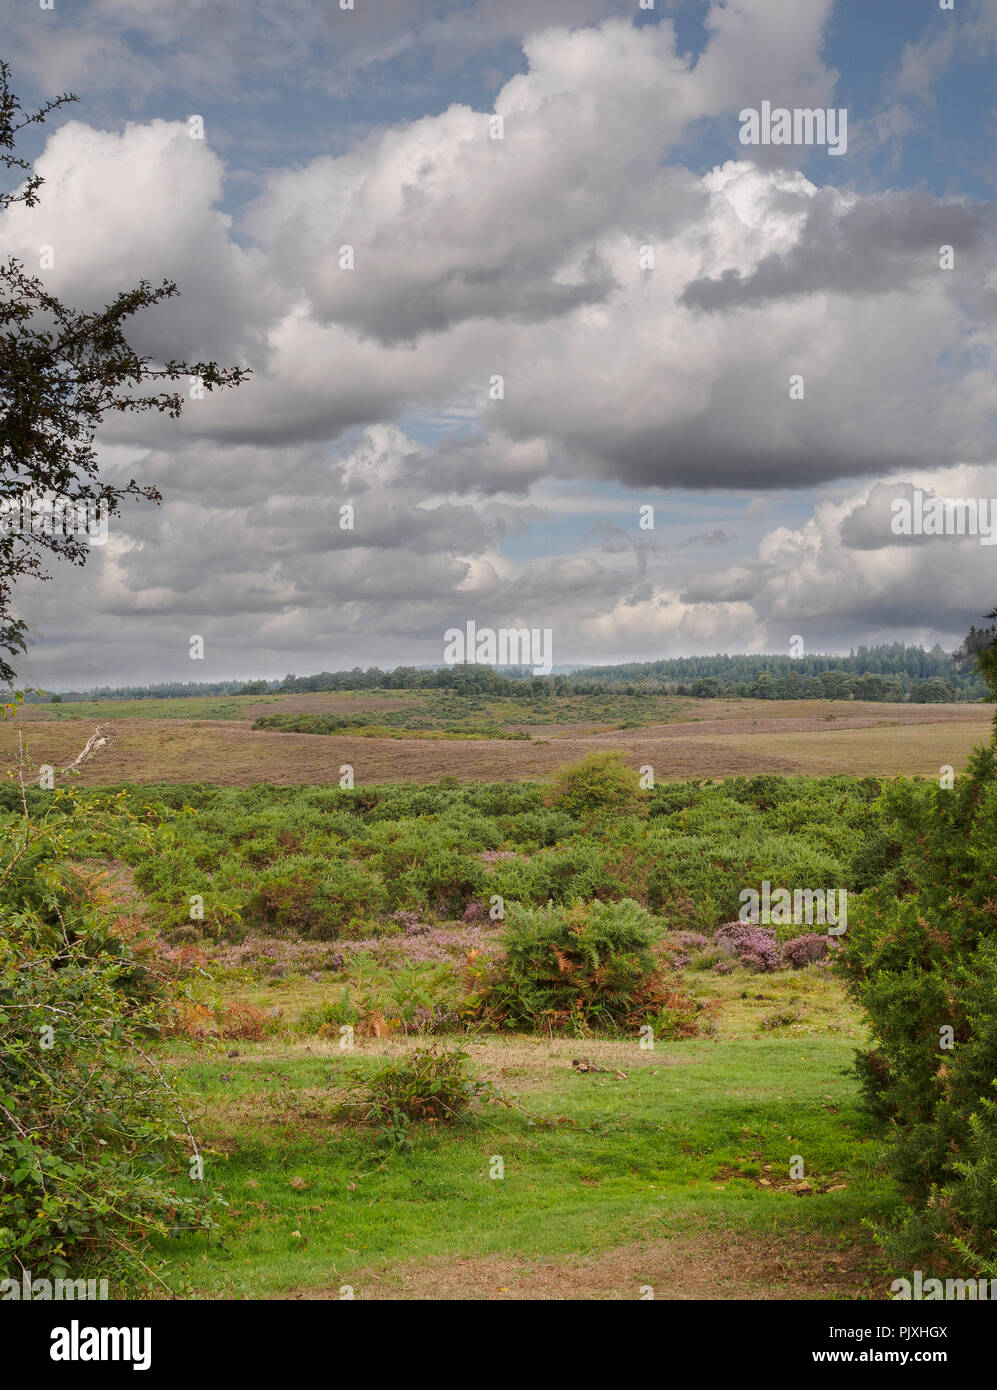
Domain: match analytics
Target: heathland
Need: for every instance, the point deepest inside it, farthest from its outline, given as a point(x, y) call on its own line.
point(458, 1024)
point(421, 736)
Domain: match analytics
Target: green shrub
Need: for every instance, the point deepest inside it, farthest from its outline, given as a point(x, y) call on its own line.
point(567, 874)
point(444, 882)
point(677, 1013)
point(89, 1162)
point(331, 1015)
point(921, 956)
point(575, 969)
point(599, 785)
point(428, 1083)
point(541, 829)
point(309, 896)
point(311, 861)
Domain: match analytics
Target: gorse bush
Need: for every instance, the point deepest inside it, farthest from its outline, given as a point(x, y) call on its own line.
point(920, 955)
point(598, 785)
point(410, 723)
point(324, 863)
point(308, 896)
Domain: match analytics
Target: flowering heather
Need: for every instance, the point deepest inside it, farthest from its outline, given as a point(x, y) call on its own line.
point(754, 946)
point(691, 940)
point(803, 950)
point(685, 945)
point(443, 943)
point(280, 954)
point(411, 921)
point(677, 948)
point(476, 911)
point(433, 1020)
point(673, 956)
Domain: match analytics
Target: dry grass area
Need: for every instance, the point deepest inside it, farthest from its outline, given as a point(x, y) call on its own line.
point(501, 1057)
point(720, 738)
point(706, 1264)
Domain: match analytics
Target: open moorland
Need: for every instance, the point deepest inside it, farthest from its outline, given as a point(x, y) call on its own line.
point(422, 736)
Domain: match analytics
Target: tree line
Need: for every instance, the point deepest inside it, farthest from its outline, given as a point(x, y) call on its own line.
point(892, 672)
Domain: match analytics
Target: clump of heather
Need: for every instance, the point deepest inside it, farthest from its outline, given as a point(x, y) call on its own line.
point(691, 940)
point(476, 911)
point(754, 946)
point(280, 955)
point(678, 948)
point(411, 921)
point(434, 944)
point(804, 950)
point(723, 967)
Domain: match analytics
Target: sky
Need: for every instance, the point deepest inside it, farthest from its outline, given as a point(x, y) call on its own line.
point(606, 303)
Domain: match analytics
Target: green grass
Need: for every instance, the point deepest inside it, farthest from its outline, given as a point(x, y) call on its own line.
point(619, 1160)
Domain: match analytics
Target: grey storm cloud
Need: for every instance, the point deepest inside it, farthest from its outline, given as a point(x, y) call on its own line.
point(868, 526)
point(485, 464)
point(880, 244)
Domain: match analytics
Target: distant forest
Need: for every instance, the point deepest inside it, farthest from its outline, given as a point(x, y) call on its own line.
point(886, 673)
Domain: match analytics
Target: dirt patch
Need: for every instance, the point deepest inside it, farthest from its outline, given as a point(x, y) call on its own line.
point(767, 1177)
point(703, 1265)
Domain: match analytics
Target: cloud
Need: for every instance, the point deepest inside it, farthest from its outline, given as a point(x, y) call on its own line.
point(708, 539)
point(250, 50)
point(118, 208)
point(525, 261)
point(447, 224)
point(845, 570)
point(847, 245)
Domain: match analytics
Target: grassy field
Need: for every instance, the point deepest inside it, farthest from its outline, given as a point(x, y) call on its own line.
point(214, 739)
point(669, 1169)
